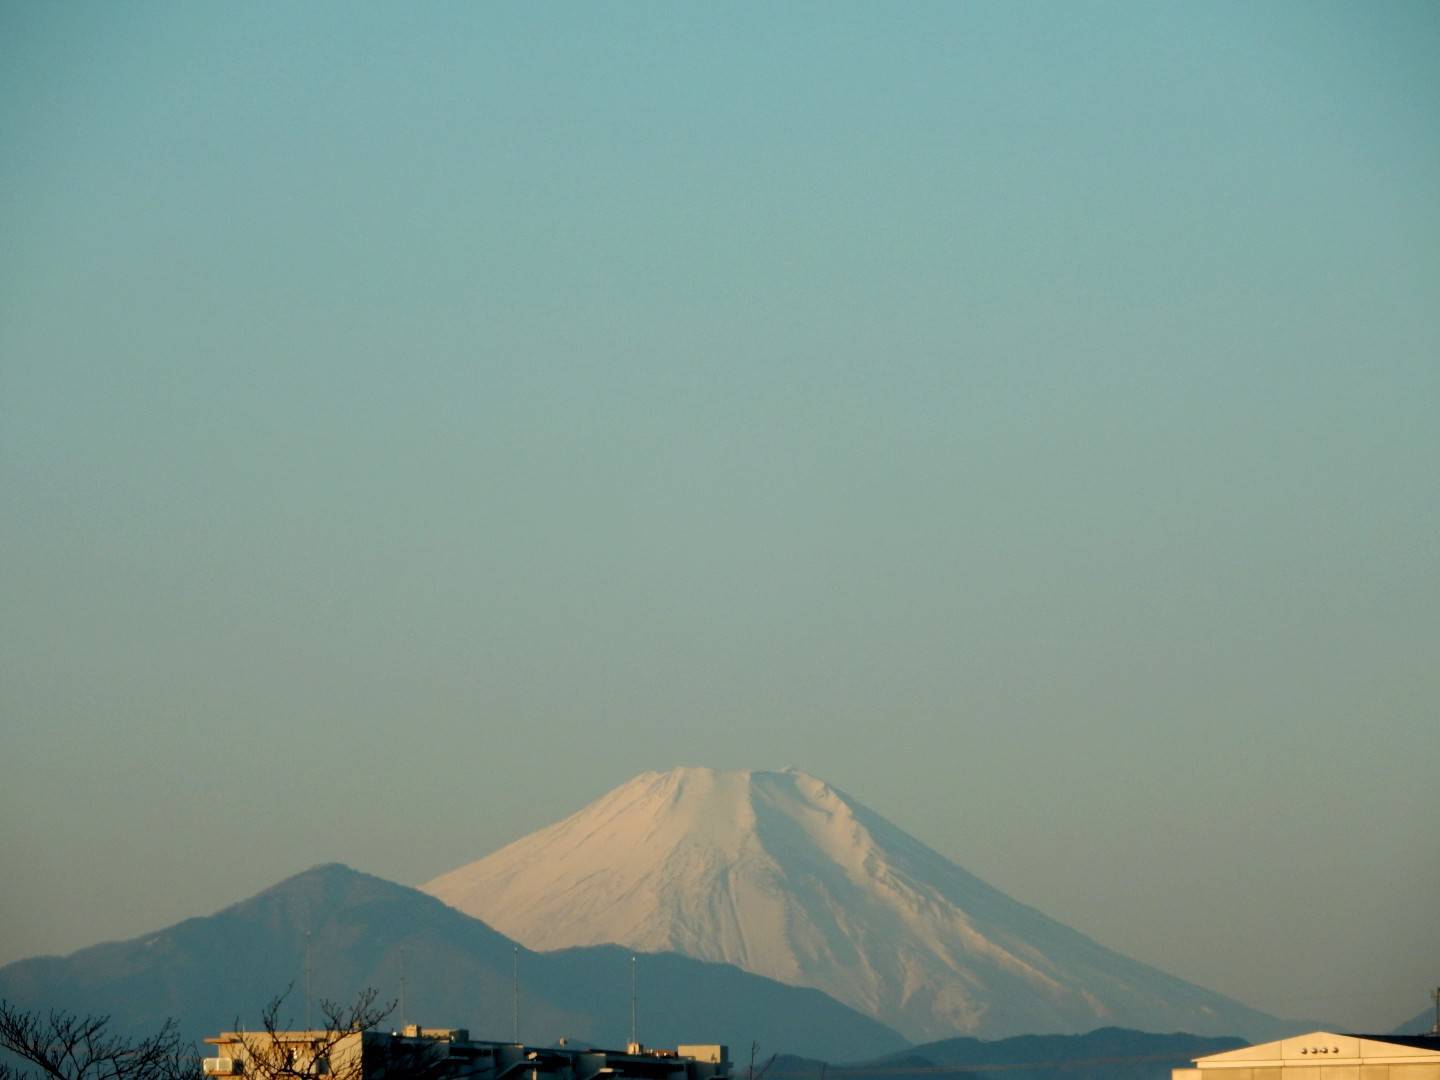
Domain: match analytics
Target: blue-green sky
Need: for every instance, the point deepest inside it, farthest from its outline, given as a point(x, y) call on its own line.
point(417, 419)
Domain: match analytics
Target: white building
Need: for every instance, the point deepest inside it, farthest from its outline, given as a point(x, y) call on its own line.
point(1323, 1055)
point(419, 1053)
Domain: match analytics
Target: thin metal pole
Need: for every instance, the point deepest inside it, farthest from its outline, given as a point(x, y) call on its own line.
point(632, 1000)
point(307, 980)
point(515, 990)
point(402, 989)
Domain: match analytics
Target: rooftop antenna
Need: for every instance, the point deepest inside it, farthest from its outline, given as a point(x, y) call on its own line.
point(1435, 997)
point(515, 990)
point(402, 989)
point(633, 1041)
point(307, 980)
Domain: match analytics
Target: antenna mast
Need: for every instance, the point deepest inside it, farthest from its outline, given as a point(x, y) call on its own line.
point(402, 988)
point(1436, 998)
point(515, 990)
point(307, 980)
point(633, 1040)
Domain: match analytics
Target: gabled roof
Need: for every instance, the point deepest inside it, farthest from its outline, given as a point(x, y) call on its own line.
point(1329, 1048)
point(1424, 1042)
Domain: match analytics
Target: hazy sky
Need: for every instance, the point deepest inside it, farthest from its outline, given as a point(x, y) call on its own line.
point(417, 419)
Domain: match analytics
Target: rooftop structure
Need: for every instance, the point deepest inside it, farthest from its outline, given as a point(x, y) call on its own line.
point(421, 1053)
point(1324, 1055)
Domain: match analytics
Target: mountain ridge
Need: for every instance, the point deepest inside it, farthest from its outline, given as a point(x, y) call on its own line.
point(1422, 1023)
point(212, 971)
point(1102, 1054)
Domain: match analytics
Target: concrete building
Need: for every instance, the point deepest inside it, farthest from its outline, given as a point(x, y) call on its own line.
point(419, 1053)
point(1323, 1055)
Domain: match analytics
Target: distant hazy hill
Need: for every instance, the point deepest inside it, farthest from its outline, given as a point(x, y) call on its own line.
point(1420, 1024)
point(1105, 1054)
point(208, 971)
point(782, 875)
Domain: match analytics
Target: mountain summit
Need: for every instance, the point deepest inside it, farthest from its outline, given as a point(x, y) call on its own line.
point(347, 930)
point(782, 875)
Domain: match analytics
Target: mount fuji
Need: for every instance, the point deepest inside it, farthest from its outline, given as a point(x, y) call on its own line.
point(782, 875)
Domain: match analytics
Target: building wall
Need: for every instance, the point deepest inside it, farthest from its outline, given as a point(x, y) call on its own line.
point(440, 1052)
point(1414, 1071)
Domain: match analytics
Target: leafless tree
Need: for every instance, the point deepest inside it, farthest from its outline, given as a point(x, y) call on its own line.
point(65, 1046)
point(334, 1050)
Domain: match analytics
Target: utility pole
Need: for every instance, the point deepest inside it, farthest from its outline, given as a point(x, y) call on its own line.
point(307, 980)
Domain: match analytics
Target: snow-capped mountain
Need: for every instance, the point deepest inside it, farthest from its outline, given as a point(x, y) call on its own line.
point(782, 875)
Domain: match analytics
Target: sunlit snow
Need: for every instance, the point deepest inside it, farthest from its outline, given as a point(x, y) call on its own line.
point(780, 874)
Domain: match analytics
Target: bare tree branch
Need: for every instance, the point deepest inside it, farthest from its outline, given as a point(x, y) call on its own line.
point(59, 1045)
point(66, 1046)
point(334, 1051)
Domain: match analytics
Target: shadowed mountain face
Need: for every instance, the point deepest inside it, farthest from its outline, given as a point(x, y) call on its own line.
point(782, 875)
point(210, 972)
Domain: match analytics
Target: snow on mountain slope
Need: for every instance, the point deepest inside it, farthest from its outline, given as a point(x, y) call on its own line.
point(782, 875)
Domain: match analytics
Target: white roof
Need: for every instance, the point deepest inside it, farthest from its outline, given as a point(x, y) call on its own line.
point(1329, 1048)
